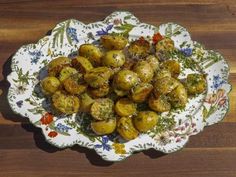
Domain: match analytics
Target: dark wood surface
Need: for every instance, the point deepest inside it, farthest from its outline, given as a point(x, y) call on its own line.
point(23, 151)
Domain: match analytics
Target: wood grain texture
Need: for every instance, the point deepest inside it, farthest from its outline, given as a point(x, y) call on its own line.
point(23, 150)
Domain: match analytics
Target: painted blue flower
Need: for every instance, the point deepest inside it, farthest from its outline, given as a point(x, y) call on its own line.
point(62, 128)
point(35, 56)
point(187, 51)
point(71, 32)
point(19, 103)
point(217, 82)
point(104, 144)
point(104, 31)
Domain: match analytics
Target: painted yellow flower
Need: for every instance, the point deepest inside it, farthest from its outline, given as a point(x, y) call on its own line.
point(119, 148)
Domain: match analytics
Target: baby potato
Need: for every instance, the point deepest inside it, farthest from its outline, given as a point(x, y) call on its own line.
point(55, 66)
point(98, 77)
point(165, 85)
point(125, 107)
point(178, 97)
point(140, 92)
point(139, 48)
point(126, 79)
point(113, 42)
point(173, 66)
point(144, 71)
point(196, 83)
point(159, 104)
point(161, 74)
point(85, 102)
point(104, 127)
point(101, 91)
point(145, 120)
point(82, 64)
point(165, 45)
point(66, 72)
point(75, 84)
point(50, 85)
point(120, 92)
point(67, 104)
point(93, 53)
point(153, 62)
point(126, 128)
point(102, 109)
point(113, 58)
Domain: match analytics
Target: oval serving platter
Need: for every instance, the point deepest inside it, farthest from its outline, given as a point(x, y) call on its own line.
point(173, 129)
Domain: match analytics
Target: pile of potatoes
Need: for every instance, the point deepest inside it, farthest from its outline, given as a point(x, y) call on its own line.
point(109, 81)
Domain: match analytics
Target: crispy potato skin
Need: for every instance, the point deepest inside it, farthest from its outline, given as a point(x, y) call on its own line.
point(66, 72)
point(113, 42)
point(173, 66)
point(196, 84)
point(126, 128)
point(104, 127)
point(82, 64)
point(113, 58)
point(57, 64)
point(50, 85)
point(165, 45)
point(125, 107)
point(144, 71)
point(159, 104)
point(141, 92)
point(101, 91)
point(178, 97)
point(165, 85)
point(154, 62)
point(139, 48)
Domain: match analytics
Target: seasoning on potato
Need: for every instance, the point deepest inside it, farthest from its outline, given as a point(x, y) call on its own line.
point(125, 107)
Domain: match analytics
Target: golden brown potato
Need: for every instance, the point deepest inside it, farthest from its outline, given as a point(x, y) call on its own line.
point(126, 79)
point(159, 104)
point(75, 84)
point(82, 64)
point(196, 84)
point(101, 91)
point(104, 127)
point(113, 58)
point(140, 92)
point(125, 107)
point(113, 42)
point(165, 45)
point(139, 48)
point(165, 85)
point(120, 92)
point(153, 61)
point(178, 97)
point(50, 85)
point(98, 77)
point(67, 104)
point(93, 53)
point(56, 65)
point(126, 128)
point(161, 74)
point(144, 71)
point(102, 109)
point(173, 66)
point(145, 120)
point(66, 72)
point(85, 102)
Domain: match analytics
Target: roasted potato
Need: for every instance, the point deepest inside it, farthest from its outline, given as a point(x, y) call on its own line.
point(126, 128)
point(125, 107)
point(64, 103)
point(101, 91)
point(56, 65)
point(139, 48)
point(165, 45)
point(104, 127)
point(113, 42)
point(159, 104)
point(173, 66)
point(120, 92)
point(161, 74)
point(50, 85)
point(66, 72)
point(82, 64)
point(93, 53)
point(165, 85)
point(126, 79)
point(102, 109)
point(113, 58)
point(145, 120)
point(153, 61)
point(75, 84)
point(196, 84)
point(140, 92)
point(98, 77)
point(144, 71)
point(85, 102)
point(178, 97)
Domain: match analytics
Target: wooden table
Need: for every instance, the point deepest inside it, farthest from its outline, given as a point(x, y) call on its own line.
point(23, 150)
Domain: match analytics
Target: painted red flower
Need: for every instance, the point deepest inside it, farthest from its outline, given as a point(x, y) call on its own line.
point(46, 119)
point(52, 134)
point(156, 38)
